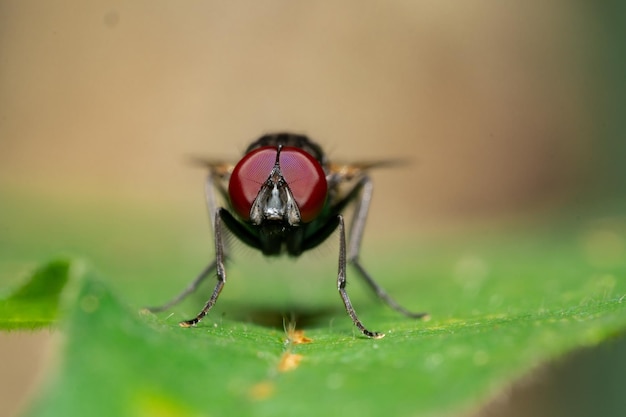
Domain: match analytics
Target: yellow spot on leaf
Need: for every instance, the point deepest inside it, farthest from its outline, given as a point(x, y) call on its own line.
point(297, 337)
point(262, 390)
point(158, 404)
point(289, 361)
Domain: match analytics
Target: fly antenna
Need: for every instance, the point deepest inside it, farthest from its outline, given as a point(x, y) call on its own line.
point(277, 163)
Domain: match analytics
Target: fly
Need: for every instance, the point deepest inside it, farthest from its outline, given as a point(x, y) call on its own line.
point(284, 196)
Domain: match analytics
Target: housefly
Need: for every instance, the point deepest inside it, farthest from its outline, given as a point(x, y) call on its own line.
point(284, 196)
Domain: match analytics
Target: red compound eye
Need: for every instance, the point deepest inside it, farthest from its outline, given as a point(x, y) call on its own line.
point(306, 180)
point(303, 173)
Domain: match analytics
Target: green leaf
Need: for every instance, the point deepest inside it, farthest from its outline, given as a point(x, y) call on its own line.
point(498, 313)
point(499, 308)
point(36, 303)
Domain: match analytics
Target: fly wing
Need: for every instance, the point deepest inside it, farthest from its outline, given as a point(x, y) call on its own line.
point(342, 178)
point(220, 174)
point(218, 168)
point(345, 172)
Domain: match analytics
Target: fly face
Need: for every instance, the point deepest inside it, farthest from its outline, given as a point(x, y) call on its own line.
point(278, 184)
point(285, 196)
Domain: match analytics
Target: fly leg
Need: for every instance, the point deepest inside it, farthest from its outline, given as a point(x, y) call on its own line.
point(193, 286)
point(219, 268)
point(357, 227)
point(190, 289)
point(341, 284)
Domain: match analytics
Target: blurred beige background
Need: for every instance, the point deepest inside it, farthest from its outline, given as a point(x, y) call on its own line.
point(494, 101)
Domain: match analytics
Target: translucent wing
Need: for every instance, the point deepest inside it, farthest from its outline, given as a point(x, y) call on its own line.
point(343, 173)
point(218, 168)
